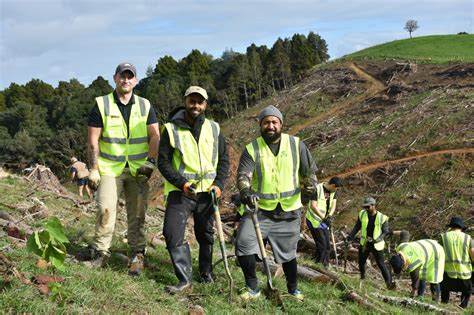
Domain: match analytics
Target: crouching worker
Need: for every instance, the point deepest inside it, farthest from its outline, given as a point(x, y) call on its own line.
point(459, 249)
point(424, 260)
point(271, 168)
point(374, 226)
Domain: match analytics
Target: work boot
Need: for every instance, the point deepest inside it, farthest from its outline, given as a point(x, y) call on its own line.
point(206, 278)
point(391, 286)
point(98, 259)
point(137, 264)
point(181, 259)
point(205, 263)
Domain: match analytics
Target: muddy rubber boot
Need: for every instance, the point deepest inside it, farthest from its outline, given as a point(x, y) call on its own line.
point(205, 263)
point(181, 259)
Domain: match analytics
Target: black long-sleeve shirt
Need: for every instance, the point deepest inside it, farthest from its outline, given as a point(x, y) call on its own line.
point(165, 153)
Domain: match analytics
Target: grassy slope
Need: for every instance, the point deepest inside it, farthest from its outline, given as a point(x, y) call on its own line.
point(436, 48)
point(419, 195)
point(111, 291)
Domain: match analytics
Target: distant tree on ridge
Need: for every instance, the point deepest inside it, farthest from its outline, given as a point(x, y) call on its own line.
point(411, 26)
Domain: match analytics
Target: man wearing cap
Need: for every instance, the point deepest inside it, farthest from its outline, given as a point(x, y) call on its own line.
point(459, 249)
point(374, 226)
point(193, 159)
point(123, 142)
point(424, 260)
point(80, 172)
point(319, 217)
point(272, 169)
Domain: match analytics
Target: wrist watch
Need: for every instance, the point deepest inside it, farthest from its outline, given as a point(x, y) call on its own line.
point(151, 160)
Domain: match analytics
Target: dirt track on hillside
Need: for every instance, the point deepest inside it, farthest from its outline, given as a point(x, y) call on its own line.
point(375, 165)
point(374, 87)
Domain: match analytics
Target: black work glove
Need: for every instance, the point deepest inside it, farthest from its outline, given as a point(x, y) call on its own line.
point(248, 197)
point(328, 221)
point(147, 168)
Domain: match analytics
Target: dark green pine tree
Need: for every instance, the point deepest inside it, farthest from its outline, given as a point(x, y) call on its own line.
point(301, 55)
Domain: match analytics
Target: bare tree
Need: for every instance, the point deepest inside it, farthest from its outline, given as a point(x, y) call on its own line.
point(411, 26)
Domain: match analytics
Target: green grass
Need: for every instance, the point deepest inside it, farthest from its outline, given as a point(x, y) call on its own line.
point(112, 291)
point(435, 48)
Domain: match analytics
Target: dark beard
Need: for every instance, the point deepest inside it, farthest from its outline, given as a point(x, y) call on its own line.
point(271, 138)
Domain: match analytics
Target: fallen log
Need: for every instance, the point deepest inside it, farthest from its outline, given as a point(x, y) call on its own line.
point(408, 302)
point(356, 298)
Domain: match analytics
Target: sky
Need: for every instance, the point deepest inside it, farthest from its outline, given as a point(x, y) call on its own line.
point(57, 40)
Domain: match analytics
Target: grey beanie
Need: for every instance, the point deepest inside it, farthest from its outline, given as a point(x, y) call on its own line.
point(270, 110)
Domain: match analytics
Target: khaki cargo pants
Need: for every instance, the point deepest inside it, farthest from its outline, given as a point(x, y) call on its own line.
point(136, 198)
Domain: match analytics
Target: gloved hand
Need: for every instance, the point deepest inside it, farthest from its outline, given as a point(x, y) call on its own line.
point(189, 190)
point(248, 197)
point(369, 240)
point(94, 179)
point(146, 169)
point(308, 188)
point(328, 220)
point(217, 190)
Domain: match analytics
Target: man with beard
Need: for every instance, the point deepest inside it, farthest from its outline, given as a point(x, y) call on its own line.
point(272, 169)
point(193, 160)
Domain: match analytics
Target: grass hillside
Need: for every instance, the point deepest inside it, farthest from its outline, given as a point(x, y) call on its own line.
point(400, 131)
point(435, 48)
point(112, 291)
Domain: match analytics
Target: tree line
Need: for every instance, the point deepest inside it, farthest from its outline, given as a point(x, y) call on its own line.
point(47, 125)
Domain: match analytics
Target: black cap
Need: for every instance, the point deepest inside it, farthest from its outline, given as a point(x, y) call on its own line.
point(397, 264)
point(125, 66)
point(457, 222)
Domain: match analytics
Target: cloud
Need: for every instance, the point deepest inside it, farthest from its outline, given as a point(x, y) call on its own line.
point(55, 39)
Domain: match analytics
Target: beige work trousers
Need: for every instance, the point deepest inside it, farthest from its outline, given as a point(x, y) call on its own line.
point(136, 198)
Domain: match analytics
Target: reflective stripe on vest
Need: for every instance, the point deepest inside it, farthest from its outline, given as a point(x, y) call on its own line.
point(379, 221)
point(276, 178)
point(117, 146)
point(197, 162)
point(322, 206)
point(456, 245)
point(428, 255)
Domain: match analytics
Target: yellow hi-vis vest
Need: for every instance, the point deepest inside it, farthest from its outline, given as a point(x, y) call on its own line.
point(427, 255)
point(197, 162)
point(115, 147)
point(456, 245)
point(322, 206)
point(276, 178)
point(380, 219)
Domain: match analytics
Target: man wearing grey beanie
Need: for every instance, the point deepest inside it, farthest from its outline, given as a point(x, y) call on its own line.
point(273, 168)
